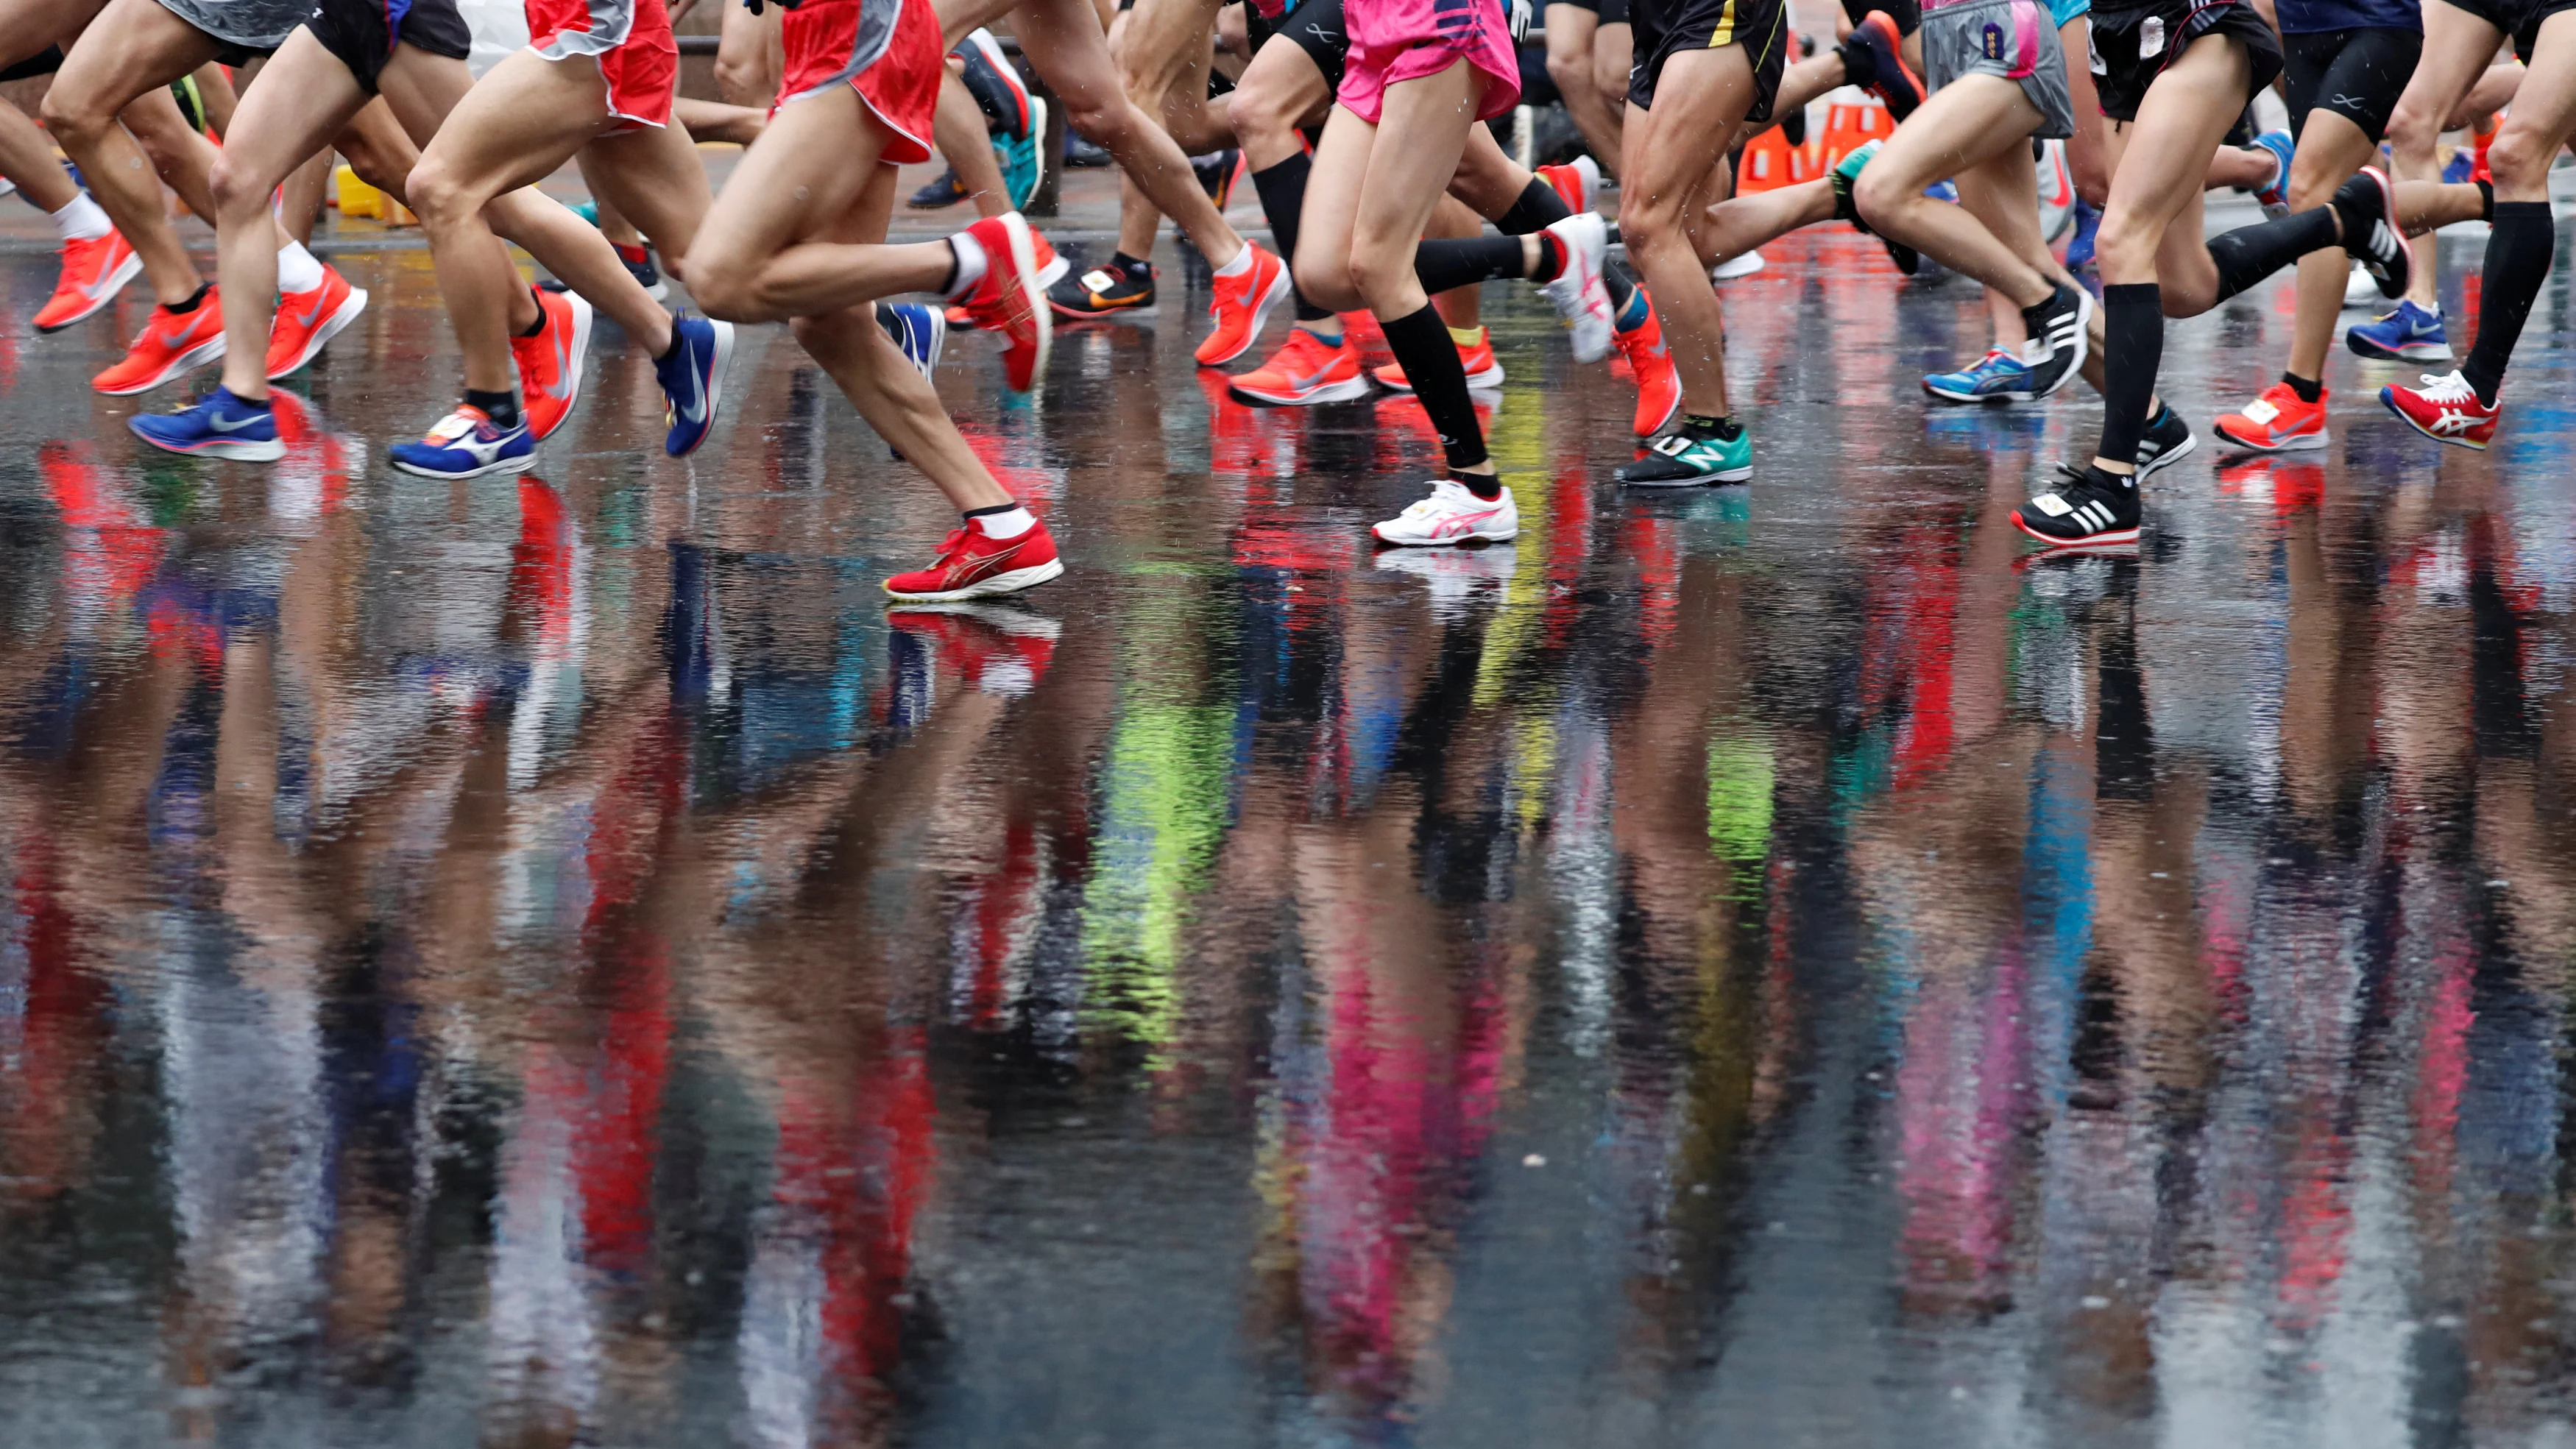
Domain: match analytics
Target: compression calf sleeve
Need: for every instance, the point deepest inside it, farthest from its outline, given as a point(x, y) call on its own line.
point(2250, 253)
point(2133, 347)
point(1283, 201)
point(1429, 358)
point(2519, 251)
point(1539, 206)
point(1444, 262)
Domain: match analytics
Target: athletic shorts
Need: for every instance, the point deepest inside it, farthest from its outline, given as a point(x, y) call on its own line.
point(886, 50)
point(2357, 74)
point(2526, 34)
point(1314, 27)
point(632, 41)
point(1393, 41)
point(363, 33)
point(43, 62)
point(243, 30)
point(2009, 38)
point(1666, 27)
point(2132, 47)
point(1908, 14)
point(1612, 12)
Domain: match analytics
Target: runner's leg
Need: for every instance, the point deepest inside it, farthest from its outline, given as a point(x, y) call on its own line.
point(134, 48)
point(1572, 32)
point(1700, 99)
point(2457, 47)
point(1963, 125)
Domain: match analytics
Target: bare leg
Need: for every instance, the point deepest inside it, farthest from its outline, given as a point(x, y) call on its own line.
point(749, 60)
point(27, 160)
point(1571, 33)
point(2331, 149)
point(2457, 47)
point(1700, 99)
point(134, 48)
point(957, 128)
point(1972, 121)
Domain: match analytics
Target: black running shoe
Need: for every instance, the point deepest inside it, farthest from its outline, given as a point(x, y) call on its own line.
point(2168, 441)
point(1119, 286)
point(1083, 155)
point(1872, 61)
point(1216, 174)
point(2368, 209)
point(2058, 323)
point(942, 190)
point(2091, 506)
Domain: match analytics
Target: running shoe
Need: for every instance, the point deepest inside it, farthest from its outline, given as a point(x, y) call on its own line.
point(550, 363)
point(2057, 340)
point(994, 649)
point(1690, 457)
point(307, 321)
point(1306, 370)
point(2056, 192)
point(1080, 151)
point(1997, 377)
point(2088, 223)
point(172, 343)
point(2275, 197)
point(2361, 289)
point(2410, 334)
point(2280, 421)
point(1451, 514)
point(467, 444)
point(693, 379)
point(2368, 207)
point(919, 329)
point(1116, 287)
point(1650, 359)
point(996, 85)
point(1872, 61)
point(1482, 369)
point(94, 271)
point(1241, 305)
point(1578, 181)
point(2090, 507)
point(1457, 580)
point(2167, 441)
point(973, 566)
point(1010, 300)
point(1577, 293)
point(1216, 172)
point(2446, 409)
point(1846, 175)
point(1051, 268)
point(1733, 267)
point(1023, 159)
point(2461, 168)
point(939, 192)
point(218, 426)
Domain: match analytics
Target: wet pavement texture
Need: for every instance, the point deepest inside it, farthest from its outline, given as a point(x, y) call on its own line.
point(553, 961)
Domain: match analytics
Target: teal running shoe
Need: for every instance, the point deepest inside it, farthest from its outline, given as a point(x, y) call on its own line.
point(1690, 457)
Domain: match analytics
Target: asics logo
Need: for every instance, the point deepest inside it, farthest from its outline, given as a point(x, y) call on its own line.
point(2450, 422)
point(1459, 524)
point(967, 571)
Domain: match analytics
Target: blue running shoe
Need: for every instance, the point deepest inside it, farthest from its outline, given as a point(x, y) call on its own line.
point(1023, 158)
point(221, 426)
point(467, 444)
point(1997, 377)
point(1942, 191)
point(920, 330)
point(2276, 197)
point(587, 211)
point(2088, 220)
point(2409, 334)
point(2459, 168)
point(939, 192)
point(693, 380)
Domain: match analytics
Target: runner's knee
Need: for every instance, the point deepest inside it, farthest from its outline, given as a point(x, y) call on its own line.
point(2518, 159)
point(1326, 285)
point(1882, 194)
point(74, 117)
point(439, 194)
point(235, 193)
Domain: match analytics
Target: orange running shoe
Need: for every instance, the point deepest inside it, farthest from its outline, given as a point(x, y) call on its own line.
point(1578, 181)
point(1482, 369)
point(1009, 299)
point(2277, 422)
point(1304, 371)
point(1659, 387)
point(1242, 304)
point(307, 321)
point(550, 362)
point(972, 566)
point(94, 271)
point(171, 344)
point(1051, 268)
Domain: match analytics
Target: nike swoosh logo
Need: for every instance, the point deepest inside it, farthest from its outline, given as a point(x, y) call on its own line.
point(235, 426)
point(320, 295)
point(696, 411)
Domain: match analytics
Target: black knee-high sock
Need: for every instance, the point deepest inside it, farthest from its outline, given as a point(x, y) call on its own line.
point(2250, 253)
point(2518, 256)
point(1538, 206)
point(1446, 262)
point(1423, 348)
point(2133, 347)
point(1283, 201)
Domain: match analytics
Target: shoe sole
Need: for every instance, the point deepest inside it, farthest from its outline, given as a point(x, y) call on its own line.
point(2392, 289)
point(227, 451)
point(2083, 346)
point(1972, 398)
point(1037, 142)
point(1647, 429)
point(2471, 445)
point(2167, 459)
point(715, 390)
point(498, 465)
point(1024, 271)
point(1485, 380)
point(1731, 475)
point(1270, 298)
point(2411, 352)
point(186, 362)
point(2097, 540)
point(1331, 392)
point(1480, 536)
point(131, 268)
point(1079, 314)
point(582, 316)
point(2304, 442)
point(1010, 582)
point(354, 304)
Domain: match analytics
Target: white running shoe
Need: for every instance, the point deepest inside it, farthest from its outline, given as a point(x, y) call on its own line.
point(1577, 291)
point(1452, 515)
point(2361, 289)
point(1736, 266)
point(1456, 578)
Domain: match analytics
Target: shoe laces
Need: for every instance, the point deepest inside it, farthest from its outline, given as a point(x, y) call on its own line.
point(457, 424)
point(2450, 387)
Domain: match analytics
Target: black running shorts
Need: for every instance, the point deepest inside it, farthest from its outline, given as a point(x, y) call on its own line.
point(2357, 74)
point(1612, 12)
point(1314, 27)
point(363, 33)
point(2526, 32)
point(1667, 27)
point(43, 62)
point(2131, 47)
point(1908, 14)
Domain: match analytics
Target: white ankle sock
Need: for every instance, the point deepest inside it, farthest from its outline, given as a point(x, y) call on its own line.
point(971, 262)
point(1011, 524)
point(297, 269)
point(82, 220)
point(1241, 264)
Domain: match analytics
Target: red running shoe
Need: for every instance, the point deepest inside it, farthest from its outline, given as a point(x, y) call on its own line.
point(1010, 299)
point(991, 648)
point(171, 344)
point(550, 363)
point(972, 566)
point(94, 271)
point(1304, 371)
point(1578, 181)
point(2446, 409)
point(1482, 369)
point(1659, 387)
point(1242, 304)
point(2277, 422)
point(307, 321)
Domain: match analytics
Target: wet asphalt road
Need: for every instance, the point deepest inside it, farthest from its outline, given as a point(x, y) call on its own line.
point(551, 961)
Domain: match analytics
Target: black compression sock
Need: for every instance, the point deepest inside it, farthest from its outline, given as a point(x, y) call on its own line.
point(1538, 207)
point(1615, 278)
point(195, 300)
point(1429, 357)
point(1283, 200)
point(1445, 263)
point(2250, 253)
point(2309, 389)
point(2517, 267)
point(2133, 347)
point(1725, 429)
point(2486, 199)
point(667, 353)
point(501, 407)
point(540, 324)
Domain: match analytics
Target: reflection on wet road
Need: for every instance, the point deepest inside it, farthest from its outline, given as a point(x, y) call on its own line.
point(553, 961)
